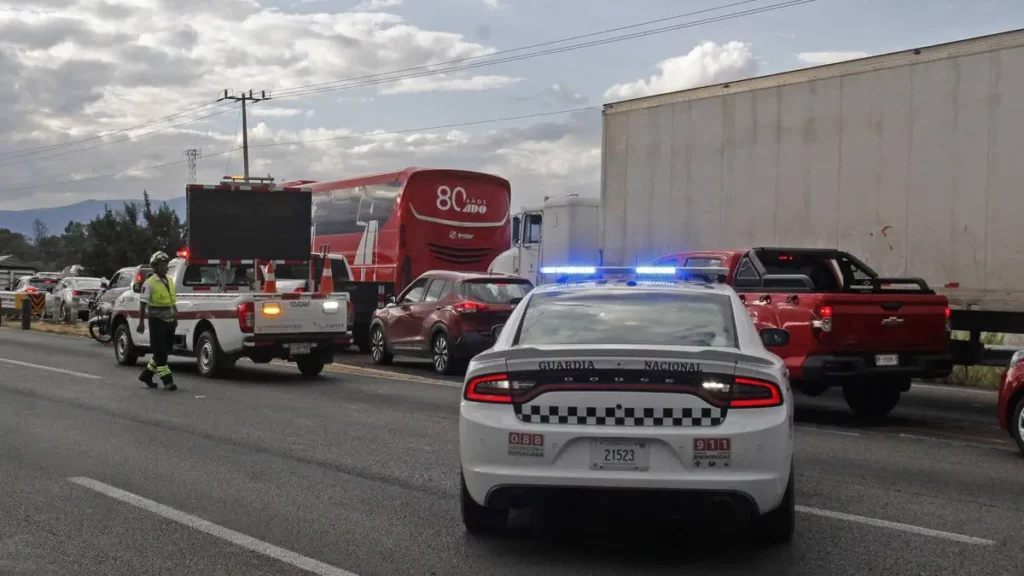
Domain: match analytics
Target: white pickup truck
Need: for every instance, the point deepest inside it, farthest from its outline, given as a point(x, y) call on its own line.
point(221, 319)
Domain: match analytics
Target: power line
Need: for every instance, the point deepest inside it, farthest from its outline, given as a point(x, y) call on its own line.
point(300, 142)
point(569, 48)
point(283, 92)
point(719, 18)
point(40, 149)
point(126, 138)
point(428, 70)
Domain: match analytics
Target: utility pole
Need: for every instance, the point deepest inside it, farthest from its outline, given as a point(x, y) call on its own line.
point(243, 98)
point(192, 154)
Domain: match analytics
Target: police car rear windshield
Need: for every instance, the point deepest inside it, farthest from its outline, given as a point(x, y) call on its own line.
point(640, 318)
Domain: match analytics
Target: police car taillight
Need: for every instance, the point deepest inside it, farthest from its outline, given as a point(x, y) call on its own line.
point(246, 317)
point(495, 389)
point(752, 393)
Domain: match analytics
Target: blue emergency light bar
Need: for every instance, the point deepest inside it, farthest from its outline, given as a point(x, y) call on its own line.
point(691, 274)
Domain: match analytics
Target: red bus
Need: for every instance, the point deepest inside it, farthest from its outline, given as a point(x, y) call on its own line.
point(390, 228)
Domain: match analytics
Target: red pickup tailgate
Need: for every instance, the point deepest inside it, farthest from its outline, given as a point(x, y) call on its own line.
point(885, 322)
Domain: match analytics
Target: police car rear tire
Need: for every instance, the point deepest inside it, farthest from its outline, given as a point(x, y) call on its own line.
point(124, 350)
point(481, 519)
point(777, 526)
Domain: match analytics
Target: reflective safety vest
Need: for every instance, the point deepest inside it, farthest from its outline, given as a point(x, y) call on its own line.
point(161, 295)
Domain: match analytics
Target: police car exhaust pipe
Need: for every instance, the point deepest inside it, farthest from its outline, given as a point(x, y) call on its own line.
point(724, 512)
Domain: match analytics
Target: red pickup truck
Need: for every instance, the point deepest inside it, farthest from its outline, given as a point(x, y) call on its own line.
point(848, 326)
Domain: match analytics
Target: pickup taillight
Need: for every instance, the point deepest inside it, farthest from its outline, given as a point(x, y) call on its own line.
point(246, 317)
point(351, 315)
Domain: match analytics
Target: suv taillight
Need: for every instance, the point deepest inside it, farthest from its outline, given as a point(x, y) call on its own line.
point(468, 307)
point(949, 319)
point(246, 317)
point(753, 393)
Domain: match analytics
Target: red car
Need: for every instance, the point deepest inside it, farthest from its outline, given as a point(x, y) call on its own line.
point(448, 317)
point(1011, 399)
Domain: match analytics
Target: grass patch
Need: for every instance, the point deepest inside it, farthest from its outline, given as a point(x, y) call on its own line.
point(81, 329)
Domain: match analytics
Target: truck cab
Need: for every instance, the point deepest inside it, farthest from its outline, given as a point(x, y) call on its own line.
point(563, 229)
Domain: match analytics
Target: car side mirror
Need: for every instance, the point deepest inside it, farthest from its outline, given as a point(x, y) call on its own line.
point(774, 337)
point(104, 285)
point(391, 299)
point(496, 331)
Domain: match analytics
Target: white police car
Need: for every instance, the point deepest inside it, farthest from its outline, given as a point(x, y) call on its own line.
point(610, 381)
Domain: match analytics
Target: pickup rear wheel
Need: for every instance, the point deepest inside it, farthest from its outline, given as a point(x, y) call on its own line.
point(872, 400)
point(212, 362)
point(310, 366)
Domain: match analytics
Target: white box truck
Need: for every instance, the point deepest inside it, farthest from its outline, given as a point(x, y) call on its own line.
point(912, 161)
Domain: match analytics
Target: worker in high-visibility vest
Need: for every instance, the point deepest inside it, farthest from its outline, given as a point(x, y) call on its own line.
point(158, 305)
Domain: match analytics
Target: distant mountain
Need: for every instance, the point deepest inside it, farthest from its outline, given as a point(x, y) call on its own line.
point(56, 219)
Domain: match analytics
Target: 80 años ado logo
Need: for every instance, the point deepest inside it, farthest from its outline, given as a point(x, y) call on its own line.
point(458, 200)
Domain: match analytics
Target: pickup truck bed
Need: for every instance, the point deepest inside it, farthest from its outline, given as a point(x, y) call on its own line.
point(848, 326)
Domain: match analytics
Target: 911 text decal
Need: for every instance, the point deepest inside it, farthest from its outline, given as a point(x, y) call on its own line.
point(673, 366)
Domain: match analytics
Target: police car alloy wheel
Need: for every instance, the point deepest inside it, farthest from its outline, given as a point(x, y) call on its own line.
point(617, 384)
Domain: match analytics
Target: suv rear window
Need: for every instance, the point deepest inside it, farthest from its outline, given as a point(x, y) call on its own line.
point(495, 291)
point(46, 284)
point(636, 317)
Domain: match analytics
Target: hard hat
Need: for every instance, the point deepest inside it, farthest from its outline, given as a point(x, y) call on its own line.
point(159, 257)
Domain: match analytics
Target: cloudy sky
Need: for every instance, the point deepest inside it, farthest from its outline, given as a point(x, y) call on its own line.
point(102, 97)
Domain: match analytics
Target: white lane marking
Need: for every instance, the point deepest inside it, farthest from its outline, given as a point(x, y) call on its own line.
point(895, 526)
point(50, 368)
point(827, 430)
point(237, 538)
point(985, 391)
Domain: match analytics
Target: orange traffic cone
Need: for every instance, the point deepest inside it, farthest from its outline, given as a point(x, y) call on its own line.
point(327, 278)
point(270, 281)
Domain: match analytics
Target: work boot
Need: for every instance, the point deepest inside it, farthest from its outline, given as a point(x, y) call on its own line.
point(147, 378)
point(169, 383)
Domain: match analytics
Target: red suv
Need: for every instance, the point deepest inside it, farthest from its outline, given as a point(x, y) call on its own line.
point(1011, 399)
point(445, 316)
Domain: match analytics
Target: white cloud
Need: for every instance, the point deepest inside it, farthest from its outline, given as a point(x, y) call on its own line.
point(495, 4)
point(78, 70)
point(442, 82)
point(372, 5)
point(260, 111)
point(820, 58)
point(708, 63)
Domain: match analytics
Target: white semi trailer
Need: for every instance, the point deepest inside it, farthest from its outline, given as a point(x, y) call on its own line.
point(913, 161)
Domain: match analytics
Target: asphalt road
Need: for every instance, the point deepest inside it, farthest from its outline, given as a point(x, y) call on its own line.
point(357, 473)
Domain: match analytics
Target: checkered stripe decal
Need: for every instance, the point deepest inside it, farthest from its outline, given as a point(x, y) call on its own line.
point(612, 416)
